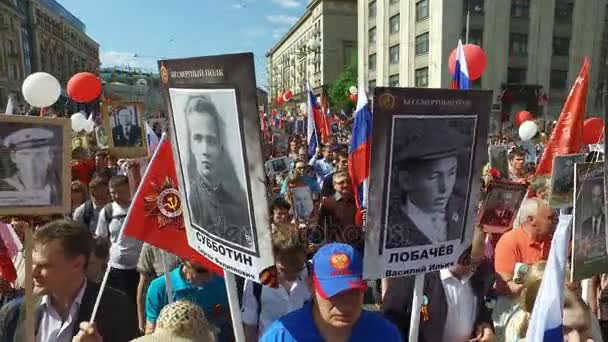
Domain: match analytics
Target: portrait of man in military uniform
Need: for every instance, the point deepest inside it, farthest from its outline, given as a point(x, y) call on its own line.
point(501, 206)
point(429, 179)
point(31, 165)
point(216, 198)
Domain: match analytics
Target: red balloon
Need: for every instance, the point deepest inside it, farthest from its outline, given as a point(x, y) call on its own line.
point(288, 95)
point(281, 100)
point(476, 61)
point(353, 97)
point(593, 131)
point(522, 117)
point(84, 87)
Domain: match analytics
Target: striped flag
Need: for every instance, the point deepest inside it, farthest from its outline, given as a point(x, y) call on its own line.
point(546, 319)
point(460, 79)
point(311, 128)
point(359, 151)
point(153, 140)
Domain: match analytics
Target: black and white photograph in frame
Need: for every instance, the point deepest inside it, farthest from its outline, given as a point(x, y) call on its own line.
point(501, 206)
point(276, 166)
point(303, 204)
point(125, 127)
point(499, 159)
point(34, 165)
point(430, 168)
point(209, 150)
point(562, 179)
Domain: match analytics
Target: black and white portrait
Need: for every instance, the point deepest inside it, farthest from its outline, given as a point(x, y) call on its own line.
point(498, 159)
point(430, 166)
point(562, 180)
point(32, 165)
point(280, 145)
point(303, 204)
point(276, 165)
point(209, 145)
point(126, 129)
point(501, 205)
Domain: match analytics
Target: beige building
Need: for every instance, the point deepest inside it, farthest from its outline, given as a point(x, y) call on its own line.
point(12, 61)
point(407, 43)
point(315, 49)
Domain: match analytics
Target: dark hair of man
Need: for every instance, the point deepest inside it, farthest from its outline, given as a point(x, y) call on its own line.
point(79, 187)
point(287, 246)
point(339, 175)
point(97, 181)
point(342, 154)
point(117, 181)
point(299, 161)
point(279, 203)
point(516, 152)
point(75, 239)
point(203, 105)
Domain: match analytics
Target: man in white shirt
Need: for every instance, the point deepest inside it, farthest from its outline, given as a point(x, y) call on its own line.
point(88, 212)
point(124, 250)
point(264, 305)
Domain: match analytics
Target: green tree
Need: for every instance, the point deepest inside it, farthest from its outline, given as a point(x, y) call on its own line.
point(338, 90)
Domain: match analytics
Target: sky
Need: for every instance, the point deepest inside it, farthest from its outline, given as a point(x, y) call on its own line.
point(140, 32)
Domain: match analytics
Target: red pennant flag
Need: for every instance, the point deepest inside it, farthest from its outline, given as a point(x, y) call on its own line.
point(567, 137)
point(7, 269)
point(156, 213)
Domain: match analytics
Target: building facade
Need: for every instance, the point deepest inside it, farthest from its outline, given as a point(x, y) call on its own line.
point(41, 35)
point(315, 49)
point(407, 43)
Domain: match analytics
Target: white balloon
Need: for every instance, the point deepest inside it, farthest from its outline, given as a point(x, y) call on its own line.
point(528, 130)
point(79, 122)
point(90, 124)
point(352, 90)
point(41, 89)
point(302, 107)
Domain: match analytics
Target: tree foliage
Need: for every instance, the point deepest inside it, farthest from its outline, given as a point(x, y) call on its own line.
point(338, 90)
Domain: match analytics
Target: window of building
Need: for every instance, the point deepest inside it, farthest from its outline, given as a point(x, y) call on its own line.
point(475, 37)
point(371, 85)
point(422, 43)
point(422, 10)
point(561, 46)
point(558, 79)
point(563, 10)
point(474, 6)
point(13, 73)
point(520, 8)
point(394, 24)
point(516, 75)
point(518, 44)
point(372, 36)
point(393, 54)
point(421, 76)
point(371, 64)
point(393, 80)
point(372, 9)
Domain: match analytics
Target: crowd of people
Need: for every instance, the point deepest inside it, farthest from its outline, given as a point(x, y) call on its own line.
point(152, 295)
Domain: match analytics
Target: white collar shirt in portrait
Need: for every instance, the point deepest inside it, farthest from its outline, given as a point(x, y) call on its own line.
point(52, 327)
point(275, 303)
point(432, 225)
point(461, 307)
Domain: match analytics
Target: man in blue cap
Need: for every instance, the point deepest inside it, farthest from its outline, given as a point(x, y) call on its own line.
point(335, 312)
point(428, 207)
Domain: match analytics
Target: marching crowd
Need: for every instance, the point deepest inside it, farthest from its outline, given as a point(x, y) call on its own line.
point(152, 295)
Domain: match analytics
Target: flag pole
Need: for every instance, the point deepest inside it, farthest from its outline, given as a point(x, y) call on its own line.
point(466, 37)
point(235, 309)
point(30, 324)
point(416, 306)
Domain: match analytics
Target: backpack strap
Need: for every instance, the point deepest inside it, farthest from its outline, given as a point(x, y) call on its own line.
point(257, 293)
point(89, 211)
point(108, 211)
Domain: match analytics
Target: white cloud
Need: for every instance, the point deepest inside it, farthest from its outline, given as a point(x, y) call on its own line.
point(278, 33)
point(281, 19)
point(287, 3)
point(254, 32)
point(131, 59)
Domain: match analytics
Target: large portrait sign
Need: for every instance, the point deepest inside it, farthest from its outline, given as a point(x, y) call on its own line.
point(124, 125)
point(500, 206)
point(34, 165)
point(215, 133)
point(427, 149)
point(562, 179)
point(589, 255)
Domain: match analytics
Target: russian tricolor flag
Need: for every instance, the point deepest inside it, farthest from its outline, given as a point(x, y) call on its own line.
point(313, 109)
point(360, 148)
point(460, 79)
point(546, 319)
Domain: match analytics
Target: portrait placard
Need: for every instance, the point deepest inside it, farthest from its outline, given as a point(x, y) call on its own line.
point(499, 159)
point(123, 122)
point(80, 141)
point(562, 179)
point(428, 147)
point(589, 255)
point(280, 144)
point(500, 206)
point(303, 205)
point(215, 133)
point(35, 171)
point(102, 138)
point(276, 165)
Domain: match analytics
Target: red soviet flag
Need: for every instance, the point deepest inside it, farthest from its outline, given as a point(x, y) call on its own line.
point(156, 215)
point(567, 136)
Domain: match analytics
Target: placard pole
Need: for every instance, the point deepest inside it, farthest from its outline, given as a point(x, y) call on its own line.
point(416, 306)
point(235, 308)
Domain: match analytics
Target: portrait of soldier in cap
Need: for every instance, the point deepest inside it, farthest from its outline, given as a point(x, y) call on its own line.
point(430, 172)
point(217, 200)
point(31, 171)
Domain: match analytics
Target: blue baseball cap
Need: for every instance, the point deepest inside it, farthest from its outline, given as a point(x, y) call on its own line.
point(337, 267)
